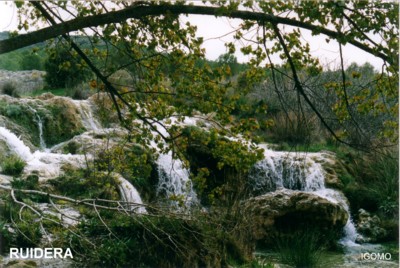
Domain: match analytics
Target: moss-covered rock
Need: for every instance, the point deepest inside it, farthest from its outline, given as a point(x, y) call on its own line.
point(287, 210)
point(62, 121)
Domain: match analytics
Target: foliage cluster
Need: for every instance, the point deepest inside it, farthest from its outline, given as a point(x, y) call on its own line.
point(61, 122)
point(31, 58)
point(13, 165)
point(25, 230)
point(63, 69)
point(81, 184)
point(219, 165)
point(118, 240)
point(357, 115)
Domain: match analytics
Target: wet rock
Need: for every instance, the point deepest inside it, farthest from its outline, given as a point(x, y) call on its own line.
point(368, 226)
point(288, 209)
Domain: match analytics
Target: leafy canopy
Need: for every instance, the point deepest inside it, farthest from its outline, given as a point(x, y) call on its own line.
point(162, 56)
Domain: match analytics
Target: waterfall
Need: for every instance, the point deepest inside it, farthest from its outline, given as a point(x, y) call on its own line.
point(46, 164)
point(15, 144)
point(85, 111)
point(129, 194)
point(173, 177)
point(39, 121)
point(174, 181)
point(297, 171)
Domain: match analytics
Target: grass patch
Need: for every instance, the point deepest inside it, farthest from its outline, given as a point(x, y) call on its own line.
point(13, 165)
point(56, 92)
point(300, 248)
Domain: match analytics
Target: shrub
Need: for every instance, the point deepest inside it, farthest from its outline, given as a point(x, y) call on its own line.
point(294, 129)
point(26, 231)
point(13, 165)
point(79, 92)
point(31, 182)
point(13, 111)
point(10, 89)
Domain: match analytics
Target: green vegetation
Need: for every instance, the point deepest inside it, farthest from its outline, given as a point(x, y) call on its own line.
point(79, 184)
point(63, 69)
point(30, 58)
point(56, 92)
point(219, 166)
point(26, 231)
point(152, 67)
point(13, 165)
point(301, 248)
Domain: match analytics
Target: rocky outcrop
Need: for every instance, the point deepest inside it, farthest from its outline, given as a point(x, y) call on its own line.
point(369, 228)
point(330, 164)
point(289, 210)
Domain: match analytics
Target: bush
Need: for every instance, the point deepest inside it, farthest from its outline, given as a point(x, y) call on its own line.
point(294, 129)
point(10, 89)
point(13, 111)
point(79, 92)
point(13, 165)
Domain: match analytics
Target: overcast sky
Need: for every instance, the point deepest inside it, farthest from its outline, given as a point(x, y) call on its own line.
point(214, 31)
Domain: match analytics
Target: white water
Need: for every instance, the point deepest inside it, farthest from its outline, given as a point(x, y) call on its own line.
point(85, 111)
point(298, 171)
point(173, 180)
point(129, 194)
point(47, 165)
point(15, 144)
point(39, 121)
point(173, 177)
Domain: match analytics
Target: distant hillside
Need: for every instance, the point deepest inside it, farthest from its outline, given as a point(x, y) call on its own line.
point(21, 59)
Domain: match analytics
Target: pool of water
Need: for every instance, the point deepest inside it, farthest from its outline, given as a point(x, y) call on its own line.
point(353, 255)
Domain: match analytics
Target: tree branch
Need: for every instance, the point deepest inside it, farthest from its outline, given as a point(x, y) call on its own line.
point(135, 12)
point(299, 87)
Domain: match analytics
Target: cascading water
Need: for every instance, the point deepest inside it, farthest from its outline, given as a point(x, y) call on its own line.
point(85, 111)
point(173, 177)
point(47, 165)
point(174, 180)
point(298, 171)
point(131, 195)
point(39, 121)
point(15, 144)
